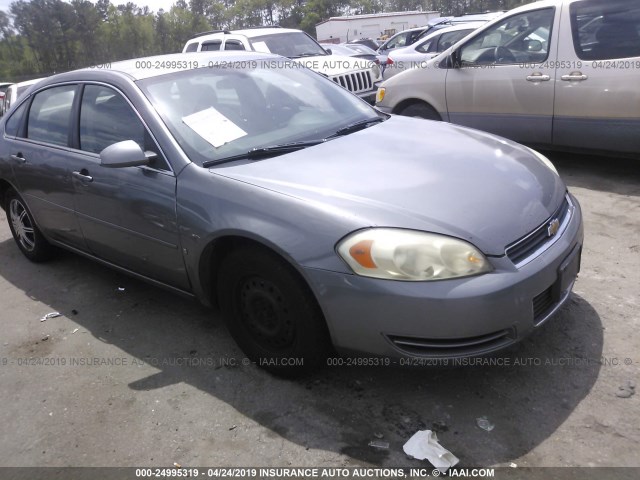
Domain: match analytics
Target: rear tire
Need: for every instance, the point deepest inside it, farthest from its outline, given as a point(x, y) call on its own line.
point(421, 110)
point(28, 237)
point(271, 313)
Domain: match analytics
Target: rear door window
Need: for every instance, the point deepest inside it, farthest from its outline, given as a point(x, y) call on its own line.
point(50, 115)
point(605, 29)
point(212, 46)
point(233, 45)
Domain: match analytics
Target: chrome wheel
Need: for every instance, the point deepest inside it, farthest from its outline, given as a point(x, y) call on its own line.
point(22, 226)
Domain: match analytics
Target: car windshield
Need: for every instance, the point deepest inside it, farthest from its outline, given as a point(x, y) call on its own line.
point(216, 113)
point(287, 44)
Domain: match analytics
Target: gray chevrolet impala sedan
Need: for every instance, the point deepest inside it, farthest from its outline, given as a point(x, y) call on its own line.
point(313, 221)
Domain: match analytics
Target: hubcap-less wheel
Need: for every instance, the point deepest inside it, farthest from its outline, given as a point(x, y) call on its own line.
point(22, 225)
point(265, 313)
point(271, 312)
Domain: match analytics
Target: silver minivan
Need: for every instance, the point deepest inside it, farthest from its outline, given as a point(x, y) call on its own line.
point(561, 74)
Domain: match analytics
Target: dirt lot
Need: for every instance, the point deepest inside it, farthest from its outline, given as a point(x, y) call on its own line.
point(123, 378)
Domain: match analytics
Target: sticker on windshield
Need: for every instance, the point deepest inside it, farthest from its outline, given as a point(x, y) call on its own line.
point(260, 47)
point(214, 127)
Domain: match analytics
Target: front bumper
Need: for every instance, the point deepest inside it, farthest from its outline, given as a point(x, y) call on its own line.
point(451, 318)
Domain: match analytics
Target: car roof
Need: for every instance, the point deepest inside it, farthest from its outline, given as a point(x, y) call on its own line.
point(247, 32)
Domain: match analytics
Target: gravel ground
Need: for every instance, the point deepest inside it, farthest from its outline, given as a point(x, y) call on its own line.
point(123, 377)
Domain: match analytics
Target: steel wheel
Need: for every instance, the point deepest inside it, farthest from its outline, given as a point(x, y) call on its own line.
point(271, 313)
point(265, 313)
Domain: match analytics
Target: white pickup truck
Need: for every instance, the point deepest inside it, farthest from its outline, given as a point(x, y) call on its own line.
point(561, 74)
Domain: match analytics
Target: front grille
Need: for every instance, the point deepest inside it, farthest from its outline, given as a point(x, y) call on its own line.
point(454, 347)
point(542, 305)
point(355, 82)
point(528, 247)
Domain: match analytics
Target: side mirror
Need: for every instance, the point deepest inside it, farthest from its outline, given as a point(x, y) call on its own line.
point(534, 46)
point(451, 61)
point(328, 50)
point(125, 154)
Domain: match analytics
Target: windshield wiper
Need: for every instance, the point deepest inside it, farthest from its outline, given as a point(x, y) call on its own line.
point(310, 54)
point(354, 127)
point(265, 152)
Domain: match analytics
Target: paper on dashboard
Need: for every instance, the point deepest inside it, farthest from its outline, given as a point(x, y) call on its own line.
point(213, 126)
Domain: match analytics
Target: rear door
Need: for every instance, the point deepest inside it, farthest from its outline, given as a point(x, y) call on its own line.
point(504, 80)
point(37, 143)
point(597, 103)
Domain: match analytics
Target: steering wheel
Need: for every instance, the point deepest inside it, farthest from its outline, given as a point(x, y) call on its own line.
point(503, 55)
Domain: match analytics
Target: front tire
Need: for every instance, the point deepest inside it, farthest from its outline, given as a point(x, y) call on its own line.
point(271, 313)
point(28, 237)
point(421, 110)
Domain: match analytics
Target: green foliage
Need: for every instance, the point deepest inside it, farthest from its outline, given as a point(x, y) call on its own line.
point(42, 37)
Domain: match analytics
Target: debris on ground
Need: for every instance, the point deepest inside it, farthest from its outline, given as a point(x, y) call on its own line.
point(50, 315)
point(379, 444)
point(74, 311)
point(121, 289)
point(233, 427)
point(378, 435)
point(626, 390)
point(45, 338)
point(424, 445)
point(177, 465)
point(485, 424)
point(75, 330)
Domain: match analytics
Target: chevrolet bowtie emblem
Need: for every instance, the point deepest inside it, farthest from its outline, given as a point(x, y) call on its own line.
point(554, 226)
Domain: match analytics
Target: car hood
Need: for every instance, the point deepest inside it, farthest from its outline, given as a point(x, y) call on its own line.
point(419, 174)
point(334, 64)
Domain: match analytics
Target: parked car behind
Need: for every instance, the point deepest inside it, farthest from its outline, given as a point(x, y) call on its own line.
point(415, 56)
point(367, 42)
point(411, 35)
point(14, 91)
point(309, 217)
point(3, 89)
point(538, 75)
point(357, 76)
point(356, 51)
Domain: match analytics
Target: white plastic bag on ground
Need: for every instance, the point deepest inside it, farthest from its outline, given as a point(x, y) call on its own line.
point(424, 446)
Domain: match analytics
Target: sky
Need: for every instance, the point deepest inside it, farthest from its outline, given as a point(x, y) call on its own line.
point(154, 5)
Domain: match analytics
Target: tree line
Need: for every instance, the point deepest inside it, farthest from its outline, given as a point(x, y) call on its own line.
point(42, 37)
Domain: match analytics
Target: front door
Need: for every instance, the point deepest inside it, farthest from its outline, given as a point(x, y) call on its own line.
point(127, 215)
point(504, 79)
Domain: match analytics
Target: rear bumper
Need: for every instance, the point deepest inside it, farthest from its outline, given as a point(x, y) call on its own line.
point(452, 318)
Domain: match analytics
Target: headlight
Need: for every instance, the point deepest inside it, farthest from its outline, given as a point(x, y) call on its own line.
point(380, 95)
point(544, 160)
point(397, 254)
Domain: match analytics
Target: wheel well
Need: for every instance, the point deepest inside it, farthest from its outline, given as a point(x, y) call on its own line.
point(413, 101)
point(217, 250)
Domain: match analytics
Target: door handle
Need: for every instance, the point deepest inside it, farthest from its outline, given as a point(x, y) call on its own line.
point(538, 77)
point(83, 176)
point(574, 77)
point(19, 158)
